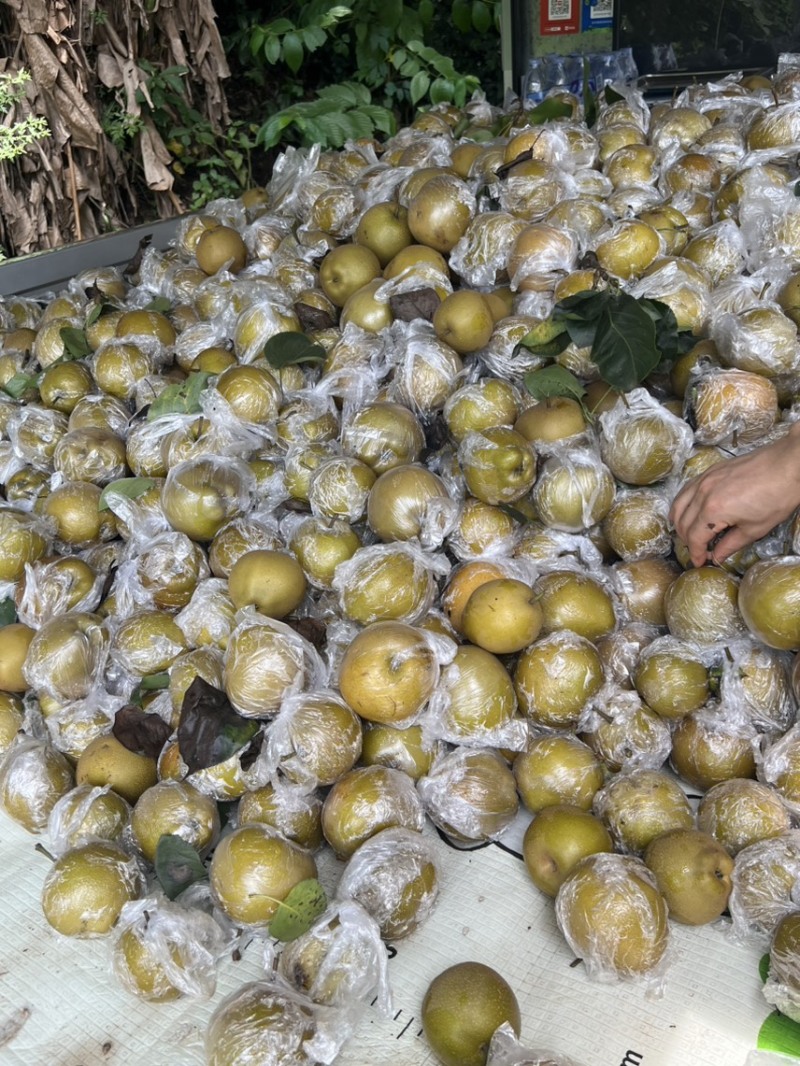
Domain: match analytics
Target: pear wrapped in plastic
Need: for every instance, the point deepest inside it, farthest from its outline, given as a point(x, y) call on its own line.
point(86, 888)
point(427, 367)
point(640, 805)
point(33, 777)
point(266, 661)
point(574, 489)
point(265, 1023)
point(389, 582)
point(760, 340)
point(505, 1049)
point(626, 734)
point(701, 606)
point(730, 406)
point(165, 951)
point(740, 812)
point(201, 495)
point(641, 442)
point(475, 703)
point(340, 962)
point(294, 810)
point(315, 739)
point(614, 918)
point(395, 878)
point(86, 813)
point(365, 801)
point(764, 878)
point(54, 586)
point(479, 257)
point(470, 795)
point(782, 986)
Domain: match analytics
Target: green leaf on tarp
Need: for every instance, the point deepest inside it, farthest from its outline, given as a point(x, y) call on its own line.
point(8, 611)
point(548, 110)
point(553, 381)
point(182, 399)
point(299, 910)
point(209, 729)
point(779, 1033)
point(611, 96)
point(589, 101)
point(624, 348)
point(177, 865)
point(129, 487)
point(18, 384)
point(159, 303)
point(287, 349)
point(763, 967)
point(75, 343)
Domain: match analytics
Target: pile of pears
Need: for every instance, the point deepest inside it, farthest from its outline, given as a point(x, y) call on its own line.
point(294, 456)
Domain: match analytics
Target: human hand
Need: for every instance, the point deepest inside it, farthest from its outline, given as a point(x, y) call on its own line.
point(738, 501)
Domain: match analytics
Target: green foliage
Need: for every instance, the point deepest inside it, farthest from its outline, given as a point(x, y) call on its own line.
point(17, 138)
point(380, 65)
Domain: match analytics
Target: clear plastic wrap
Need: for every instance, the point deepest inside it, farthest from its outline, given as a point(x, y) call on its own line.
point(730, 406)
point(636, 525)
point(293, 810)
point(498, 464)
point(86, 888)
point(314, 740)
point(174, 808)
point(340, 962)
point(86, 813)
point(626, 734)
point(426, 369)
point(713, 744)
point(470, 794)
point(765, 879)
point(701, 606)
point(395, 878)
point(614, 918)
point(266, 661)
point(640, 805)
point(33, 777)
point(740, 812)
point(366, 800)
point(475, 703)
point(574, 489)
point(210, 616)
point(672, 677)
point(539, 256)
point(385, 582)
point(782, 986)
point(54, 586)
point(479, 257)
point(761, 340)
point(165, 951)
point(264, 1023)
point(687, 296)
point(66, 655)
point(641, 442)
point(506, 1050)
point(556, 677)
point(409, 502)
point(779, 767)
point(201, 495)
point(756, 678)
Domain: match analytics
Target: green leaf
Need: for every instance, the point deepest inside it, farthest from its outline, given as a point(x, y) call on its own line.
point(18, 384)
point(553, 381)
point(398, 57)
point(442, 91)
point(293, 52)
point(154, 682)
point(272, 50)
point(481, 16)
point(286, 349)
point(99, 309)
point(461, 14)
point(779, 1033)
point(313, 38)
point(581, 313)
point(8, 611)
point(76, 345)
point(177, 865)
point(763, 967)
point(183, 399)
point(335, 14)
point(624, 347)
point(280, 26)
point(548, 110)
point(129, 487)
point(611, 96)
point(257, 37)
point(419, 86)
point(299, 910)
